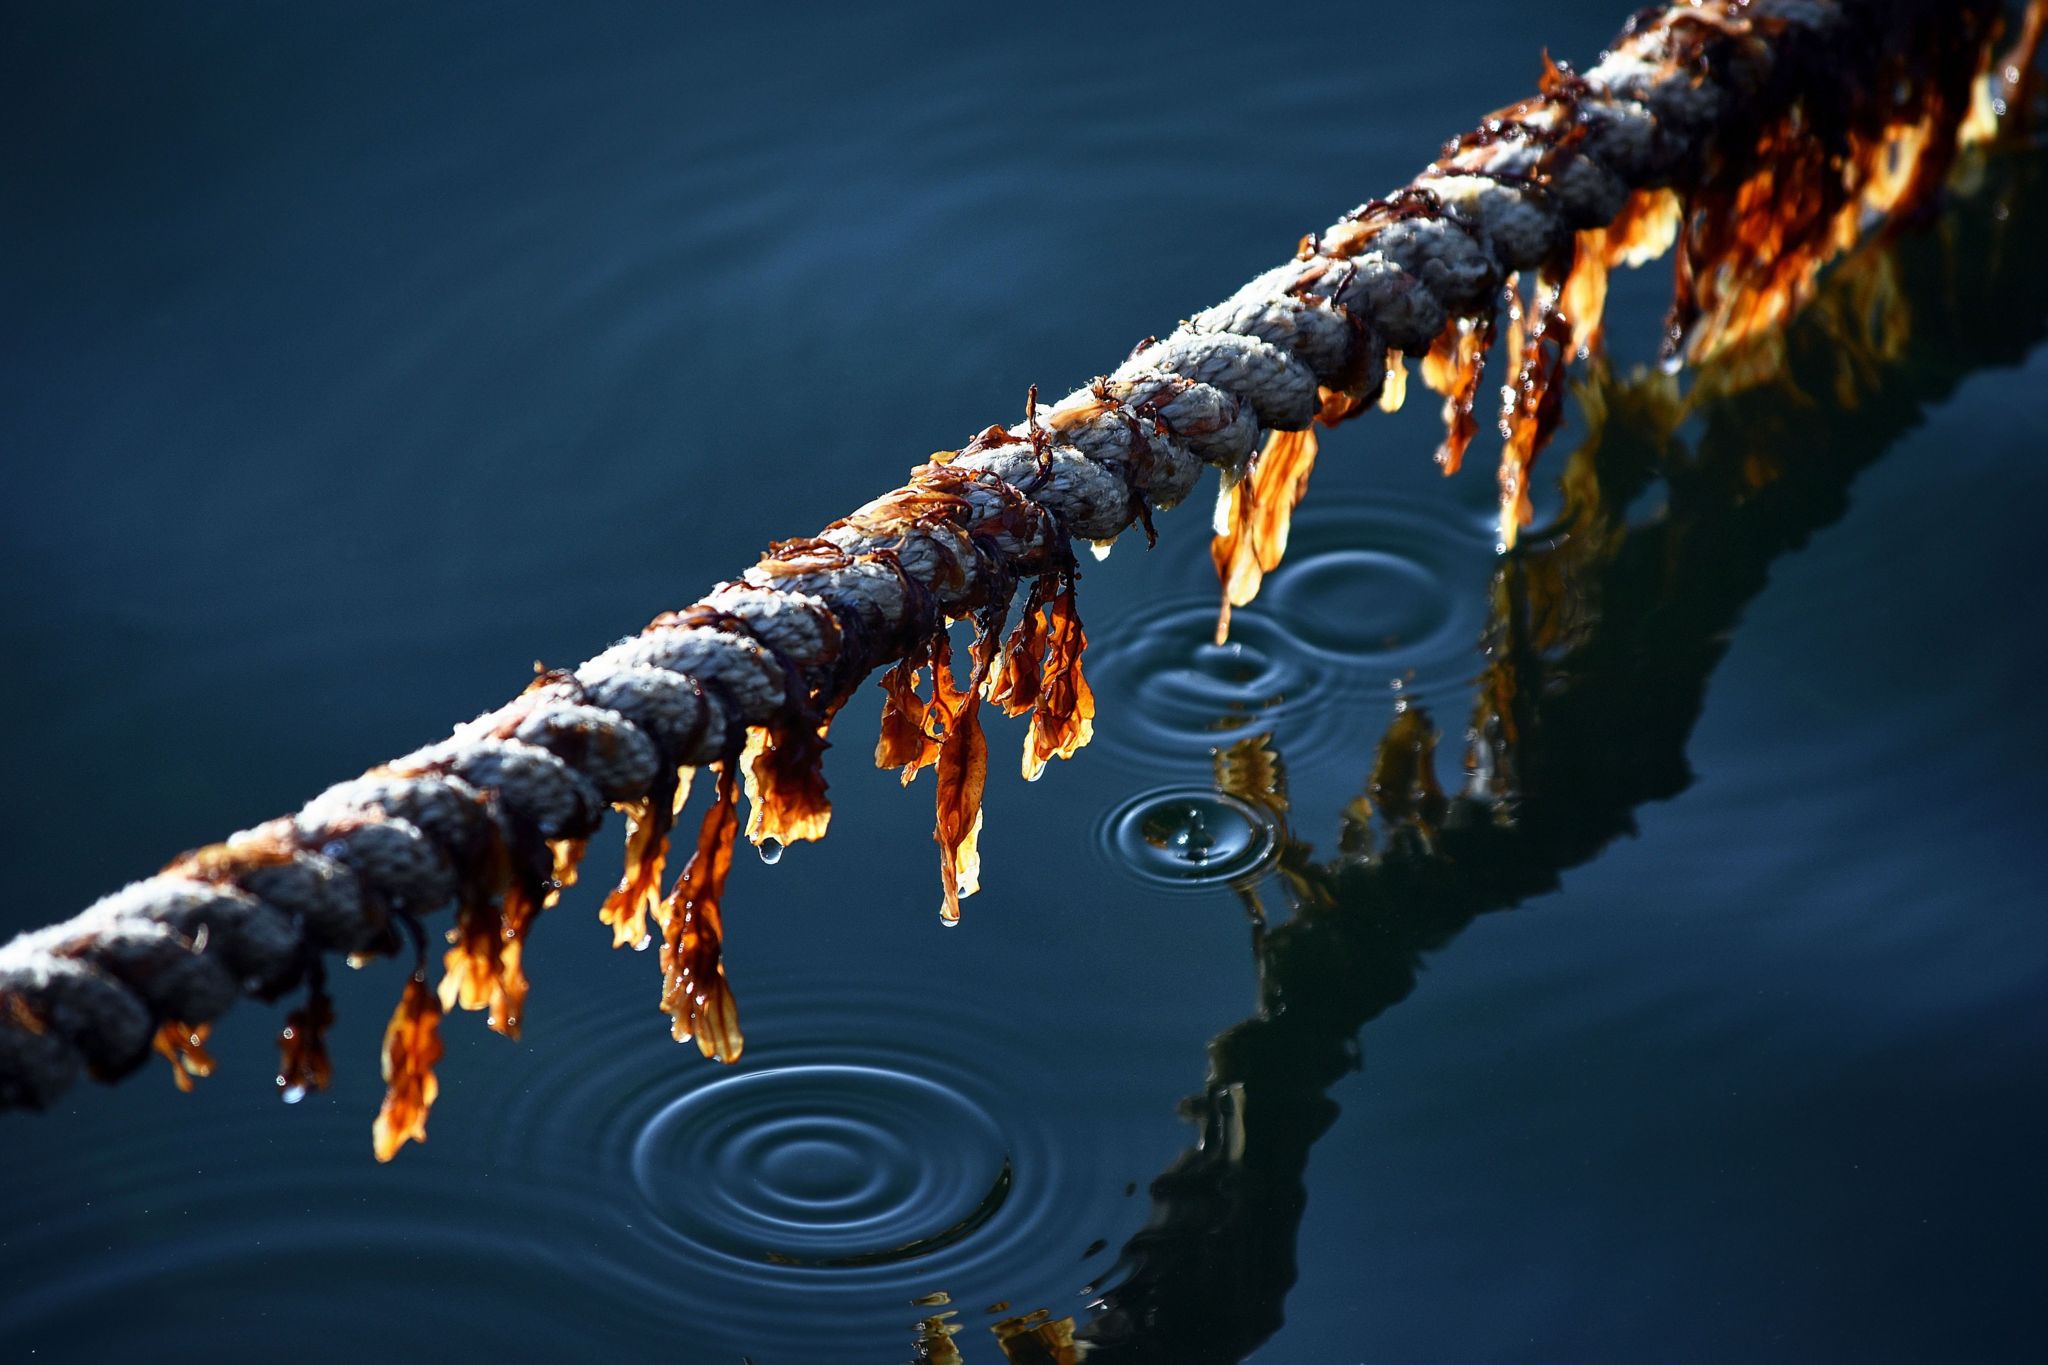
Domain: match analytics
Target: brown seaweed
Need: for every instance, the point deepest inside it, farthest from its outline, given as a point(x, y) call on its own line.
point(1533, 404)
point(412, 1048)
point(962, 776)
point(1063, 716)
point(1258, 512)
point(694, 993)
point(648, 822)
point(1017, 677)
point(1456, 368)
point(905, 742)
point(784, 770)
point(303, 1063)
point(184, 1047)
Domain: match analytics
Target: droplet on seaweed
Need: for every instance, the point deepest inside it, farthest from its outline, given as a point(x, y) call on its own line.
point(646, 941)
point(770, 851)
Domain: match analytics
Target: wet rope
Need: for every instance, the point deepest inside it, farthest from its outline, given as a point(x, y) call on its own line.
point(1683, 109)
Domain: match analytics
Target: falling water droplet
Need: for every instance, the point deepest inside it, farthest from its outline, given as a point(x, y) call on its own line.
point(1179, 829)
point(770, 851)
point(291, 1094)
point(1191, 837)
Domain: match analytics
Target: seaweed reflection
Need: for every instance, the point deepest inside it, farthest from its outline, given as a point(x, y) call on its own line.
point(1603, 632)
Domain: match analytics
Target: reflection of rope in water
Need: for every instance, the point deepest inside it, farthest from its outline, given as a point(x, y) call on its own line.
point(1602, 642)
point(1756, 117)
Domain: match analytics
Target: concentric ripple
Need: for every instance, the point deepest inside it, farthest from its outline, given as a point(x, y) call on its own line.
point(872, 1146)
point(1190, 837)
point(823, 1165)
point(1388, 586)
point(1167, 692)
point(1377, 593)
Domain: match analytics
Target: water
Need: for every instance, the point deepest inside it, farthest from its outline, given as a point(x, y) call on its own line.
point(355, 363)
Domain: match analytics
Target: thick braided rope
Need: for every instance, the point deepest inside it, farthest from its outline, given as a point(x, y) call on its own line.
point(480, 815)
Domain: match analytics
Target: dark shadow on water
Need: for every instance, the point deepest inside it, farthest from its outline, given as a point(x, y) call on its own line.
point(1602, 638)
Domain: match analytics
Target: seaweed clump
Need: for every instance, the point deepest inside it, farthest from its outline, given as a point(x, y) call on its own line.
point(1773, 199)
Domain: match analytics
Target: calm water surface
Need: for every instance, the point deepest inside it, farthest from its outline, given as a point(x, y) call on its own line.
point(356, 359)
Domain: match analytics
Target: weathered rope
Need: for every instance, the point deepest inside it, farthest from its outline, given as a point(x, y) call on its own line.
point(1760, 134)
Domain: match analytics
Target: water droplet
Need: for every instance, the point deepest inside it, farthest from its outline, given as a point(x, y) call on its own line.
point(646, 941)
point(1191, 837)
point(291, 1094)
point(770, 851)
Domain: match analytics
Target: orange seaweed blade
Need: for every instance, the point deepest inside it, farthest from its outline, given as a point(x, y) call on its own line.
point(961, 771)
point(783, 769)
point(1063, 721)
point(509, 987)
point(638, 894)
point(962, 778)
point(1456, 367)
point(1258, 516)
point(904, 742)
point(1646, 228)
point(1017, 677)
point(1394, 390)
point(412, 1048)
point(1584, 297)
point(184, 1047)
point(303, 1063)
point(471, 966)
point(694, 992)
point(1533, 404)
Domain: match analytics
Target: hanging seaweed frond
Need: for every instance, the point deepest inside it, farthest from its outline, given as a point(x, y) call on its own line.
point(412, 1049)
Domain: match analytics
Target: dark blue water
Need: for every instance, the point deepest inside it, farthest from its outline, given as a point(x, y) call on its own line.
point(354, 360)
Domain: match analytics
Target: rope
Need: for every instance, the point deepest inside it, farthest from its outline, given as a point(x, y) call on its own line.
point(1838, 110)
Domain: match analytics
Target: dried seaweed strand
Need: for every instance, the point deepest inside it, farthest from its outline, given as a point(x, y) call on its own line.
point(412, 1049)
point(694, 993)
